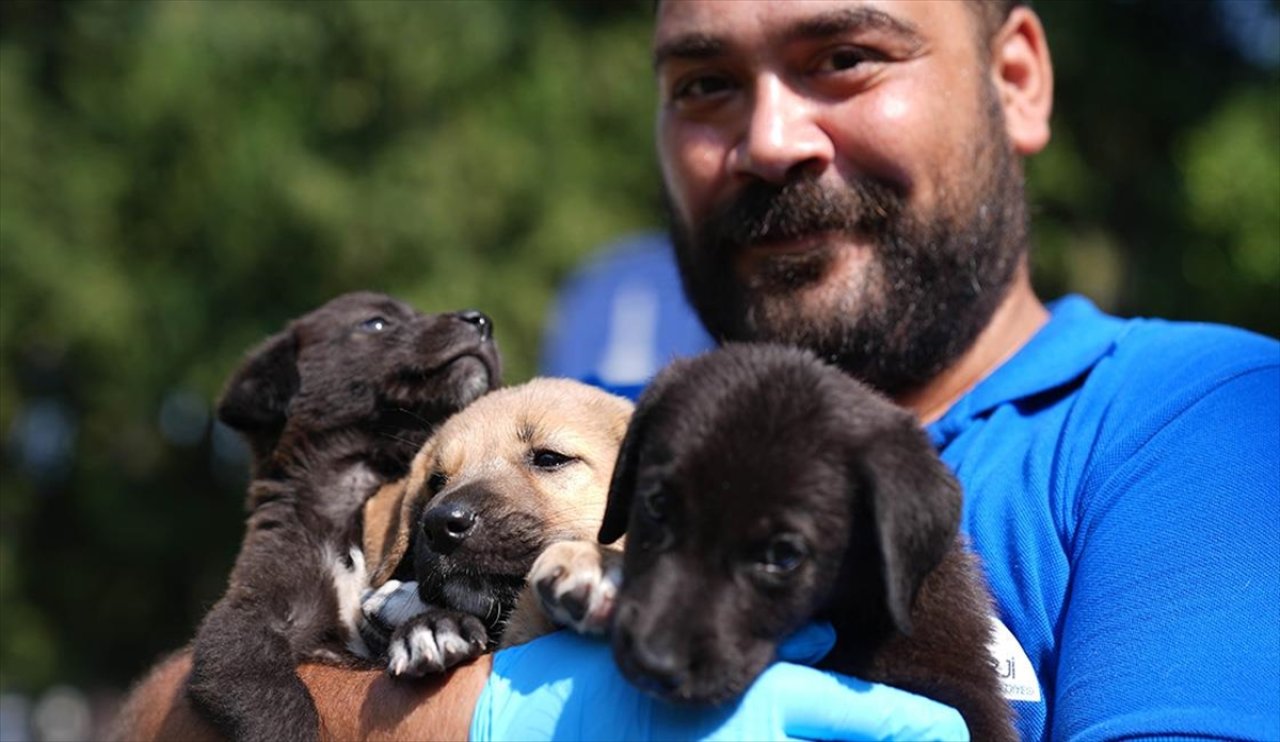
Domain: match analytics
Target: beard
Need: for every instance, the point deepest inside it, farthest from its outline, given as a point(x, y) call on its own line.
point(928, 284)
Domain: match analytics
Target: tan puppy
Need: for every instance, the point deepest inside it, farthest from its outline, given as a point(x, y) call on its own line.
point(518, 470)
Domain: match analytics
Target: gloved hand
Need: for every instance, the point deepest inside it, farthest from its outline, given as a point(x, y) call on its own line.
point(567, 687)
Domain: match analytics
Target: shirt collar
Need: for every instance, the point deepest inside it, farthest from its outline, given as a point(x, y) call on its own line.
point(1074, 339)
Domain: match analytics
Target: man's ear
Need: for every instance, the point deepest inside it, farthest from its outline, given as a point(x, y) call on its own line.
point(1022, 73)
point(913, 508)
point(257, 397)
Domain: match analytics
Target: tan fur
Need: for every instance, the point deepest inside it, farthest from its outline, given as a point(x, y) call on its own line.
point(386, 535)
point(491, 441)
point(585, 569)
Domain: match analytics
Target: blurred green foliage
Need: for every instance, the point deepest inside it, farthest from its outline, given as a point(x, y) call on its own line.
point(179, 178)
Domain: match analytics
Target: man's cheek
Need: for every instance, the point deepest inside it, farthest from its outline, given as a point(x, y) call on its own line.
point(692, 168)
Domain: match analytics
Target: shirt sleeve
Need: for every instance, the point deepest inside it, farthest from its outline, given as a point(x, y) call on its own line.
point(1172, 623)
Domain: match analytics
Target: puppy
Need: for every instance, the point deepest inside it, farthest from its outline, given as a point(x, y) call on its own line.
point(520, 469)
point(333, 406)
point(759, 489)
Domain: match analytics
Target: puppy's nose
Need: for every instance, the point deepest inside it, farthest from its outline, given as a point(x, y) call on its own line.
point(480, 320)
point(448, 525)
point(655, 667)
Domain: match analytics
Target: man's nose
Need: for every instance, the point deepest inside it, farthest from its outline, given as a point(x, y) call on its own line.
point(782, 137)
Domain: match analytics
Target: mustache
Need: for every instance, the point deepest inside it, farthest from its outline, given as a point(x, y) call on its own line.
point(765, 212)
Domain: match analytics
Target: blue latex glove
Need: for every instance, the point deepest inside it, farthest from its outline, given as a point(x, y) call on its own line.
point(567, 687)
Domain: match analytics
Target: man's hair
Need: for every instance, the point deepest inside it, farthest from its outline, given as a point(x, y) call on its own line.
point(992, 14)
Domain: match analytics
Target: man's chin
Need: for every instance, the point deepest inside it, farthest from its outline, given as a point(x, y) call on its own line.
point(793, 296)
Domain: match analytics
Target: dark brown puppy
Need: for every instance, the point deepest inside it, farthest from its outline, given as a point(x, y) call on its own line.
point(760, 488)
point(334, 406)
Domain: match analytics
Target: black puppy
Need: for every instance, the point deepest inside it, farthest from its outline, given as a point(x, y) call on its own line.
point(760, 488)
point(333, 407)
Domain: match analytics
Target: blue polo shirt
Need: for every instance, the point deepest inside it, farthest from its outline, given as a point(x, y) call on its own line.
point(1122, 484)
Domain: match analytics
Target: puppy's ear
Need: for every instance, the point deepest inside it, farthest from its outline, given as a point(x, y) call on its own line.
point(382, 527)
point(914, 512)
point(257, 397)
point(398, 509)
point(622, 485)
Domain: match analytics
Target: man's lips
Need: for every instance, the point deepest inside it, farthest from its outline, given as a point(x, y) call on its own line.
point(802, 248)
point(790, 245)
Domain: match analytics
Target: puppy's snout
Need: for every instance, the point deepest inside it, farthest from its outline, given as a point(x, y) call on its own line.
point(479, 320)
point(655, 667)
point(448, 525)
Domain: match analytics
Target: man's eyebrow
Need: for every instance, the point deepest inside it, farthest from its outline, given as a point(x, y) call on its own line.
point(698, 46)
point(691, 46)
point(848, 20)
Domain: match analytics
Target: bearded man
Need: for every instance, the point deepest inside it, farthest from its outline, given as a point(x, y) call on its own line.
point(846, 176)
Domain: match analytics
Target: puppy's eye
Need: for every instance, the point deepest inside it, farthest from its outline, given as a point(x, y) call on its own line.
point(374, 324)
point(545, 458)
point(782, 554)
point(656, 504)
point(436, 482)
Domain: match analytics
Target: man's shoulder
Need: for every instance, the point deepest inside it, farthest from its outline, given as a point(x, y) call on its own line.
point(1169, 405)
point(1161, 356)
point(1227, 343)
point(1158, 371)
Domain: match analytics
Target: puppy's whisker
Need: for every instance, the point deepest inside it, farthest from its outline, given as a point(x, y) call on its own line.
point(414, 415)
point(399, 438)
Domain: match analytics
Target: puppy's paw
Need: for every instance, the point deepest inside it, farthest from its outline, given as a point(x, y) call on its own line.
point(434, 641)
point(384, 610)
point(577, 583)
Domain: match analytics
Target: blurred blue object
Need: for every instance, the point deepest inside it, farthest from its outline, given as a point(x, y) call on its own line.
point(621, 317)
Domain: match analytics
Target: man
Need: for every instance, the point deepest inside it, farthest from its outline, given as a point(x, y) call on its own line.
point(846, 176)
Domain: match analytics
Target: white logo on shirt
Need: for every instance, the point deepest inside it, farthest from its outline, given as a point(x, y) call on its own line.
point(1018, 679)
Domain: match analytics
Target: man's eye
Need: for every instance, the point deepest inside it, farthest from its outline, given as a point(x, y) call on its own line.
point(700, 87)
point(844, 58)
point(374, 324)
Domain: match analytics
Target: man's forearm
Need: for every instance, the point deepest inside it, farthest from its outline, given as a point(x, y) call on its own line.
point(353, 704)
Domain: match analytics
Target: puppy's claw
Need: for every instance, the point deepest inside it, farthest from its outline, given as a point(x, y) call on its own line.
point(392, 604)
point(384, 610)
point(435, 641)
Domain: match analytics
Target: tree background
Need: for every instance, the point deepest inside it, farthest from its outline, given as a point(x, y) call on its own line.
point(178, 178)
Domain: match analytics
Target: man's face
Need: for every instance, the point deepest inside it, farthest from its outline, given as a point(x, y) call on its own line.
point(838, 177)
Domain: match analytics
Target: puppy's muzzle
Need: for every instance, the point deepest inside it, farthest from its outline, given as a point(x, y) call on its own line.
point(479, 320)
point(447, 525)
point(654, 667)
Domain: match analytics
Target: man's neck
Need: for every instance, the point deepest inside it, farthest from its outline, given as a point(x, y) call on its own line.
point(1017, 318)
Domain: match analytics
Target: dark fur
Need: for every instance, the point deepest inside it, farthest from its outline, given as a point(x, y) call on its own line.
point(753, 455)
point(332, 407)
